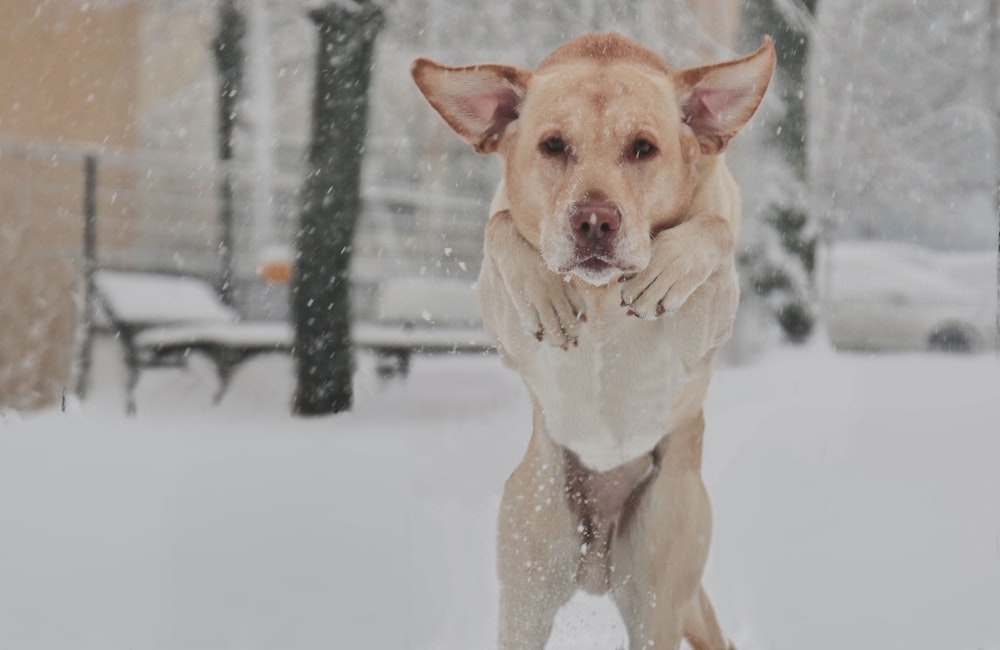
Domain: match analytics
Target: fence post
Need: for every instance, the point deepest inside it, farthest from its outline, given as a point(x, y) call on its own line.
point(89, 268)
point(994, 72)
point(229, 56)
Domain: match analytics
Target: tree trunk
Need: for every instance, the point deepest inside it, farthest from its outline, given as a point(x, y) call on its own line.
point(331, 206)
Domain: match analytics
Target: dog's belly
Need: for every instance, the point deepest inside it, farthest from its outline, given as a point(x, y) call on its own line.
point(610, 399)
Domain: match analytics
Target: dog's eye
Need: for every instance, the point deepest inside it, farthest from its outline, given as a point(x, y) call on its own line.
point(642, 149)
point(553, 146)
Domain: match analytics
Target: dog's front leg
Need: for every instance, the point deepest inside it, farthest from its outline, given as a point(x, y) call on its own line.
point(683, 259)
point(545, 305)
point(538, 550)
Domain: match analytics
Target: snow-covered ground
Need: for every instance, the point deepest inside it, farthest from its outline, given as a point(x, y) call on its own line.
point(857, 505)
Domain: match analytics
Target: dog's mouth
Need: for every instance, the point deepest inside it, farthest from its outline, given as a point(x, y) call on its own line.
point(597, 269)
point(595, 265)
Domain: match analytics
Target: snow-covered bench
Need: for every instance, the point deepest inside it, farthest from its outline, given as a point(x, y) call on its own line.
point(160, 318)
point(422, 314)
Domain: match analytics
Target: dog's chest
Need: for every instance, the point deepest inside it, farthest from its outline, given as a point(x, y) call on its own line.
point(609, 399)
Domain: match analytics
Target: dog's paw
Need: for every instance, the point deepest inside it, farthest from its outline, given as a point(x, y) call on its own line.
point(547, 306)
point(682, 259)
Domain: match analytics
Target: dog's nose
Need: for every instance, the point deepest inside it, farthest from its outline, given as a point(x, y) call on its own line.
point(595, 220)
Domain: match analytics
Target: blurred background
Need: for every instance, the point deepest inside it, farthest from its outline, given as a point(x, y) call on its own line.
point(869, 178)
point(853, 472)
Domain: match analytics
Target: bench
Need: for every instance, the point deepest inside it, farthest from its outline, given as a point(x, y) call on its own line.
point(428, 315)
point(159, 319)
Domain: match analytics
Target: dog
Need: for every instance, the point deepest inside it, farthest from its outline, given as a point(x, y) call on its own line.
point(609, 284)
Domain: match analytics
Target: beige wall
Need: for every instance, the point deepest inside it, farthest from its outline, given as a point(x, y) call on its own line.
point(67, 77)
point(66, 73)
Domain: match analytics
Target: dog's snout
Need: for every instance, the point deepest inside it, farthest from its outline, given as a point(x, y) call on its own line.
point(595, 221)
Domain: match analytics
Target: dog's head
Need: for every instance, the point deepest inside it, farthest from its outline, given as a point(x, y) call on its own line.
point(602, 145)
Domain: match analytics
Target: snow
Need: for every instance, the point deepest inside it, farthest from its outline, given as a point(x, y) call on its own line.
point(902, 133)
point(867, 267)
point(191, 313)
point(856, 506)
point(238, 335)
point(377, 335)
point(896, 295)
point(435, 299)
point(156, 298)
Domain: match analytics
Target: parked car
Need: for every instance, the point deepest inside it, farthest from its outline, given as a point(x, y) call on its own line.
point(895, 296)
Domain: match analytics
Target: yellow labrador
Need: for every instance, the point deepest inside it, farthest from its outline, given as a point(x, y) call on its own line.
point(609, 284)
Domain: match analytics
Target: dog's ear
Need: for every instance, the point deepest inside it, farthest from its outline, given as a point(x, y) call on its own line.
point(718, 100)
point(478, 101)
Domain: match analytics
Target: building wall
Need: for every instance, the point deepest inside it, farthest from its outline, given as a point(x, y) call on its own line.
point(67, 73)
point(68, 80)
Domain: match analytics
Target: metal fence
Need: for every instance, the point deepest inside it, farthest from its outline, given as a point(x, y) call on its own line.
point(161, 212)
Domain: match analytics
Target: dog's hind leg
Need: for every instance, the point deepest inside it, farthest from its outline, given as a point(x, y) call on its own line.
point(644, 600)
point(537, 549)
point(701, 628)
point(659, 556)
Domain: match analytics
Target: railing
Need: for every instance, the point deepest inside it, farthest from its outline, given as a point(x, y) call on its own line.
point(160, 211)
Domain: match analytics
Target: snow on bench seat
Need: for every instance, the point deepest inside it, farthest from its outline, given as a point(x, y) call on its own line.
point(160, 318)
point(422, 314)
point(445, 339)
point(143, 299)
point(429, 302)
point(237, 334)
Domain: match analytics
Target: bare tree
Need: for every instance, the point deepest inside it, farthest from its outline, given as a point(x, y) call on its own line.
point(331, 206)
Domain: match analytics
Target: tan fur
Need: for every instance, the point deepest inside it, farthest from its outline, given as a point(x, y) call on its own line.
point(614, 334)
